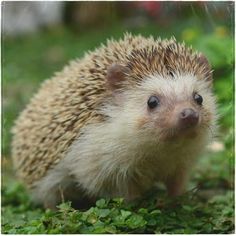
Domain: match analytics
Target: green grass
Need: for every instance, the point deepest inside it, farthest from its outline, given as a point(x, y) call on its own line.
point(208, 206)
point(188, 214)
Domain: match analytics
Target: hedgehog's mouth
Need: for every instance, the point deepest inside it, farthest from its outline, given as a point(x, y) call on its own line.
point(174, 134)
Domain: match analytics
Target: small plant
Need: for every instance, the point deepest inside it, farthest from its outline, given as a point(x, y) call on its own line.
point(186, 214)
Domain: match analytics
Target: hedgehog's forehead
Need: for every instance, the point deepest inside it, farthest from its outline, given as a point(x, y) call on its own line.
point(180, 85)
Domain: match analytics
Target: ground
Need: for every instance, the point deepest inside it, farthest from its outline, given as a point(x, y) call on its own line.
point(207, 207)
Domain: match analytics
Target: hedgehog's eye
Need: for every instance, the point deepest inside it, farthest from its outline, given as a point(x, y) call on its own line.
point(153, 102)
point(198, 98)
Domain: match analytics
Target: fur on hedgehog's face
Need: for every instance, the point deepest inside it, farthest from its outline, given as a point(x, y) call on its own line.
point(182, 106)
point(173, 107)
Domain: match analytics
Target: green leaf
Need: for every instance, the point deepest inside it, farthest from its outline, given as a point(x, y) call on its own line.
point(125, 214)
point(101, 203)
point(136, 221)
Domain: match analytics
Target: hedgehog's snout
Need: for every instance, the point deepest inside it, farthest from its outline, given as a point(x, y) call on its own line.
point(188, 118)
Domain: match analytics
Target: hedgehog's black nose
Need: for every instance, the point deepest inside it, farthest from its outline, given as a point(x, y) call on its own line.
point(188, 118)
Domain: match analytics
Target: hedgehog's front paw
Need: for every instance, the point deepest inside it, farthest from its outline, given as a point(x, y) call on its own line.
point(48, 198)
point(176, 184)
point(175, 189)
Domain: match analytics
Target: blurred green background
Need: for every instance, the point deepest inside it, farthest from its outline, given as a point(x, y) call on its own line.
point(28, 58)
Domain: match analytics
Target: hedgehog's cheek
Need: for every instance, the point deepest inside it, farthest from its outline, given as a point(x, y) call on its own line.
point(142, 122)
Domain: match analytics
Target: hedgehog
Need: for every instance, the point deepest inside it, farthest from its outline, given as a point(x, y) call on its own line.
point(132, 113)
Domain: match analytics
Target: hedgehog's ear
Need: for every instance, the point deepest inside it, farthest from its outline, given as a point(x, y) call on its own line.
point(116, 74)
point(204, 63)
